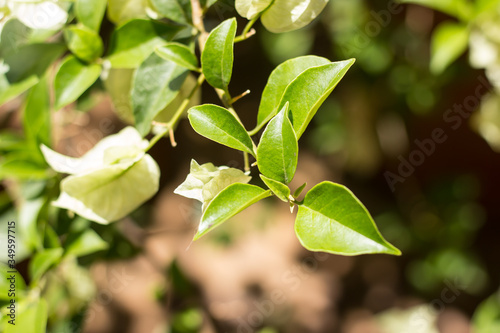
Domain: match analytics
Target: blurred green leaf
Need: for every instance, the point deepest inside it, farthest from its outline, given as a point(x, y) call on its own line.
point(218, 124)
point(83, 42)
point(10, 91)
point(36, 118)
point(449, 41)
point(85, 243)
point(42, 261)
point(5, 270)
point(279, 189)
point(118, 84)
point(276, 85)
point(331, 219)
point(90, 12)
point(486, 318)
point(175, 10)
point(458, 8)
point(121, 11)
point(21, 166)
point(31, 59)
point(14, 34)
point(217, 57)
point(156, 83)
point(134, 41)
point(229, 202)
point(31, 317)
point(310, 89)
point(180, 54)
point(28, 222)
point(72, 79)
point(278, 151)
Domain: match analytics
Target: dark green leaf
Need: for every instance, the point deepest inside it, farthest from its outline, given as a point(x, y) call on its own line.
point(217, 57)
point(156, 83)
point(277, 153)
point(331, 219)
point(310, 89)
point(37, 114)
point(90, 13)
point(42, 261)
point(85, 243)
point(180, 54)
point(279, 189)
point(219, 125)
point(134, 41)
point(175, 10)
point(83, 42)
point(229, 202)
point(31, 59)
point(276, 85)
point(72, 79)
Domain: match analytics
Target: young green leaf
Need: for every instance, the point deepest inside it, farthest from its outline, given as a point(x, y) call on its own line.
point(180, 54)
point(331, 219)
point(217, 57)
point(121, 11)
point(279, 189)
point(90, 13)
point(42, 261)
point(176, 10)
point(83, 42)
point(85, 243)
point(31, 318)
point(276, 85)
point(277, 153)
point(36, 118)
point(218, 124)
point(156, 83)
point(72, 79)
point(299, 190)
point(449, 41)
point(134, 41)
point(310, 89)
point(229, 202)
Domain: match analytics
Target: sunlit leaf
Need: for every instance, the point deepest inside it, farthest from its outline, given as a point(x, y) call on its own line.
point(83, 42)
point(218, 124)
point(217, 57)
point(120, 11)
point(450, 40)
point(37, 113)
point(85, 243)
point(277, 153)
point(180, 54)
point(72, 79)
point(175, 10)
point(90, 12)
point(232, 200)
point(285, 15)
point(331, 219)
point(279, 189)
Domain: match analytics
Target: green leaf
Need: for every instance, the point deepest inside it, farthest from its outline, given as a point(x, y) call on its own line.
point(28, 222)
point(11, 91)
point(218, 124)
point(331, 219)
point(36, 118)
point(118, 84)
point(217, 57)
point(276, 85)
point(121, 11)
point(18, 166)
point(42, 261)
point(207, 3)
point(286, 15)
point(279, 189)
point(72, 79)
point(180, 54)
point(459, 8)
point(90, 13)
point(5, 284)
point(156, 83)
point(31, 317)
point(299, 190)
point(175, 10)
point(310, 89)
point(134, 41)
point(486, 318)
point(229, 202)
point(83, 42)
point(449, 41)
point(277, 153)
point(14, 35)
point(31, 59)
point(85, 243)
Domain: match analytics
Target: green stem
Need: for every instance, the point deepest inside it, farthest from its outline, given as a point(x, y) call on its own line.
point(245, 34)
point(177, 116)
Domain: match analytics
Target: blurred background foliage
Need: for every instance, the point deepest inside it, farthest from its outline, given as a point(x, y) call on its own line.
point(414, 63)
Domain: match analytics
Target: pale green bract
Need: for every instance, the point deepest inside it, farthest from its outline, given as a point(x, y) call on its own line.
point(281, 15)
point(205, 181)
point(108, 182)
